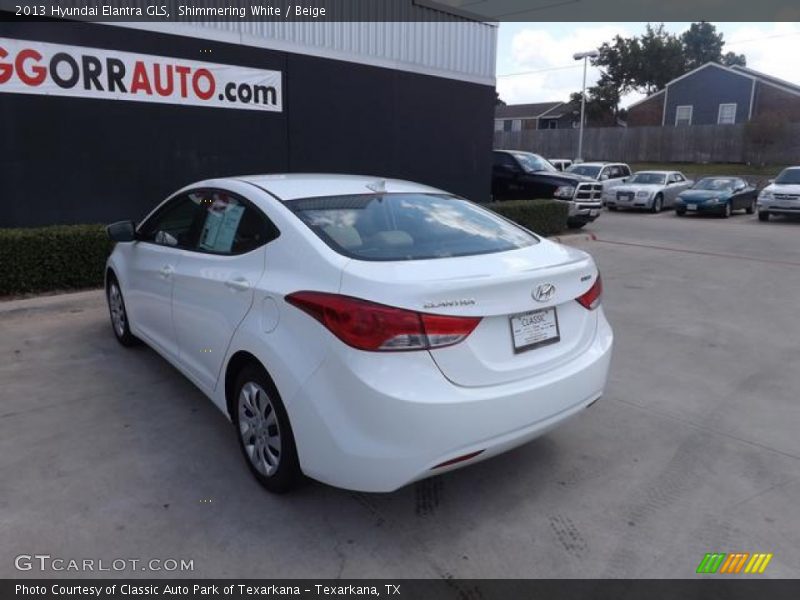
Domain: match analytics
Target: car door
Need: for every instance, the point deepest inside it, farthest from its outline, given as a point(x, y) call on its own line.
point(505, 175)
point(154, 259)
point(215, 280)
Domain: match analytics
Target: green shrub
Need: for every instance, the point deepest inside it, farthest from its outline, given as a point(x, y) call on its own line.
point(545, 217)
point(60, 257)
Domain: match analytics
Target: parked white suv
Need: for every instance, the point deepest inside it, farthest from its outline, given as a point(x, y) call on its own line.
point(609, 174)
point(782, 196)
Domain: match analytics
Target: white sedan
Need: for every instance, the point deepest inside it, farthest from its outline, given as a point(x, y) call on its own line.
point(364, 333)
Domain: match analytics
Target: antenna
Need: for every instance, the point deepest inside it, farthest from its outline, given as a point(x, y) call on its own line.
point(378, 186)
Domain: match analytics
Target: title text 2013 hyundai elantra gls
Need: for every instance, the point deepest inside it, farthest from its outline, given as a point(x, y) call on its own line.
point(364, 333)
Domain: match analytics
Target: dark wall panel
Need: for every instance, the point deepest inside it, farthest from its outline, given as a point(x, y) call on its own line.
point(75, 160)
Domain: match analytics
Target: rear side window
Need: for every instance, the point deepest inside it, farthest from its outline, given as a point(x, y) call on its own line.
point(408, 226)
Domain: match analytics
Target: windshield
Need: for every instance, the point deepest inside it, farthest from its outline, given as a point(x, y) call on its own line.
point(408, 226)
point(648, 178)
point(715, 183)
point(789, 176)
point(585, 170)
point(533, 162)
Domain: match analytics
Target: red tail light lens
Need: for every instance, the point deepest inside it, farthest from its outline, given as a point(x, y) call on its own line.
point(377, 327)
point(591, 299)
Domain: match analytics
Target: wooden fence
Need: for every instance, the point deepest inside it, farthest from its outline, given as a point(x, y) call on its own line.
point(743, 143)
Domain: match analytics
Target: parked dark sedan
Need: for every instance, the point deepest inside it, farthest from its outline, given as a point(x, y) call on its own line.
point(520, 175)
point(717, 195)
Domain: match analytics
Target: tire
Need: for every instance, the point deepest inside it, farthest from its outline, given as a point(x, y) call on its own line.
point(658, 204)
point(763, 215)
point(119, 315)
point(576, 225)
point(264, 432)
point(614, 208)
point(727, 211)
point(680, 213)
point(751, 208)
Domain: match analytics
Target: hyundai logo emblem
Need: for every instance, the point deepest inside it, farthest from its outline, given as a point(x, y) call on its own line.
point(544, 292)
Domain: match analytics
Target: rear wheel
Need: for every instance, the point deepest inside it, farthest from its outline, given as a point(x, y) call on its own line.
point(658, 204)
point(119, 316)
point(265, 435)
point(751, 208)
point(763, 215)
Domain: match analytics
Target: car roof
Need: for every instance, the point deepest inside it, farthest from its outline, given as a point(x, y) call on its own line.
point(291, 186)
point(657, 172)
point(595, 164)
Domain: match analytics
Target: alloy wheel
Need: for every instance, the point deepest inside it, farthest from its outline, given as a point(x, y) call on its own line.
point(117, 308)
point(259, 429)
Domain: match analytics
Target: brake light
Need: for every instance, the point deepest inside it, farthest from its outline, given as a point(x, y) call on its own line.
point(591, 299)
point(377, 327)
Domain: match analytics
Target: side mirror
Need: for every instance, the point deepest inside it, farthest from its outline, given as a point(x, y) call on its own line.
point(122, 231)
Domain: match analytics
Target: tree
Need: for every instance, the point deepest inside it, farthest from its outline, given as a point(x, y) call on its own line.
point(646, 63)
point(498, 101)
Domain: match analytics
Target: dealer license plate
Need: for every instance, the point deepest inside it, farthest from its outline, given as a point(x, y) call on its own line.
point(535, 328)
point(691, 207)
point(594, 212)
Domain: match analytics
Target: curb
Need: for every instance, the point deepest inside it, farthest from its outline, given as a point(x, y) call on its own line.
point(573, 237)
point(53, 302)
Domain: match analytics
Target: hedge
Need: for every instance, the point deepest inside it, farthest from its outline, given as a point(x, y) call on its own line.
point(545, 217)
point(60, 257)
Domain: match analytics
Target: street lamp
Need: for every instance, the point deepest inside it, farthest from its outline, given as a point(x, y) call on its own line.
point(585, 56)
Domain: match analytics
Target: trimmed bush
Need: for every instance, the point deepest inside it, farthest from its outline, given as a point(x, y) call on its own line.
point(545, 217)
point(60, 257)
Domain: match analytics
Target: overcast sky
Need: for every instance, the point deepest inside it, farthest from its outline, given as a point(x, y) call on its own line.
point(547, 49)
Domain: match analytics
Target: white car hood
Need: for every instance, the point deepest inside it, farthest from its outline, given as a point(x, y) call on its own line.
point(783, 188)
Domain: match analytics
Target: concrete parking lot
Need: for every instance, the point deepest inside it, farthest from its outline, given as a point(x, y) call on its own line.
point(109, 453)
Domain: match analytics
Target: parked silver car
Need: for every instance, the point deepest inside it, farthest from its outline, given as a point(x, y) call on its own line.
point(650, 190)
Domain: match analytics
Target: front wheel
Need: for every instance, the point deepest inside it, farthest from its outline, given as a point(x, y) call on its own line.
point(763, 215)
point(576, 224)
point(751, 208)
point(119, 316)
point(679, 212)
point(658, 204)
point(265, 435)
point(727, 211)
point(614, 208)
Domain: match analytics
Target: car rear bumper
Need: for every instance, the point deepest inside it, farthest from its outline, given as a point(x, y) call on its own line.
point(376, 425)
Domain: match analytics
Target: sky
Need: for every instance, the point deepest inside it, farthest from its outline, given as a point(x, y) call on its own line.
point(535, 64)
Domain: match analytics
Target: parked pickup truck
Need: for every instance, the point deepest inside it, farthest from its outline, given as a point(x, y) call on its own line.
point(609, 174)
point(518, 175)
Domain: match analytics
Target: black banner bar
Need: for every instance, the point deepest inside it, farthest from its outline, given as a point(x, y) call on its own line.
point(703, 588)
point(156, 11)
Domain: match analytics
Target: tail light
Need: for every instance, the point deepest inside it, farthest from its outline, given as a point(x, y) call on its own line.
point(377, 327)
point(591, 299)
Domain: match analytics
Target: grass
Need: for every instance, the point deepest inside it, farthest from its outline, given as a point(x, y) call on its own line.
point(764, 171)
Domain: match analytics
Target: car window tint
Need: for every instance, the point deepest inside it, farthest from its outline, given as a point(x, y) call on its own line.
point(408, 226)
point(173, 224)
point(501, 158)
point(228, 225)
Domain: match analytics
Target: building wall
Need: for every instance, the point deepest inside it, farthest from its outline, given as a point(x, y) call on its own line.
point(776, 103)
point(705, 90)
point(73, 160)
point(649, 112)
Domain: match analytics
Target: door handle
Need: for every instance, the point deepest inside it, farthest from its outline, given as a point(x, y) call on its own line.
point(166, 271)
point(240, 284)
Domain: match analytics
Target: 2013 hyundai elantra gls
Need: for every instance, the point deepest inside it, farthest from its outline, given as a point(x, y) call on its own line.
point(364, 333)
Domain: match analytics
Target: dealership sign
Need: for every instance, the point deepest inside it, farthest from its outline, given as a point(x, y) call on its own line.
point(28, 67)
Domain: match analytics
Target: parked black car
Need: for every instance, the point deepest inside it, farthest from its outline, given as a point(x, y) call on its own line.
point(518, 175)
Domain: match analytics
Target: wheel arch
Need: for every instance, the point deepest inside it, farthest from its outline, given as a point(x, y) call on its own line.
point(237, 362)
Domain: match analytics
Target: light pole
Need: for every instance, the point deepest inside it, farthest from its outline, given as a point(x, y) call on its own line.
point(585, 56)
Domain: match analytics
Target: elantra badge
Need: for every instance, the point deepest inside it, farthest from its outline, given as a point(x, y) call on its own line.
point(544, 292)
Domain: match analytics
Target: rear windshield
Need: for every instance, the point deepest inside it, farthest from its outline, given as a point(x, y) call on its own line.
point(408, 226)
point(789, 176)
point(586, 170)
